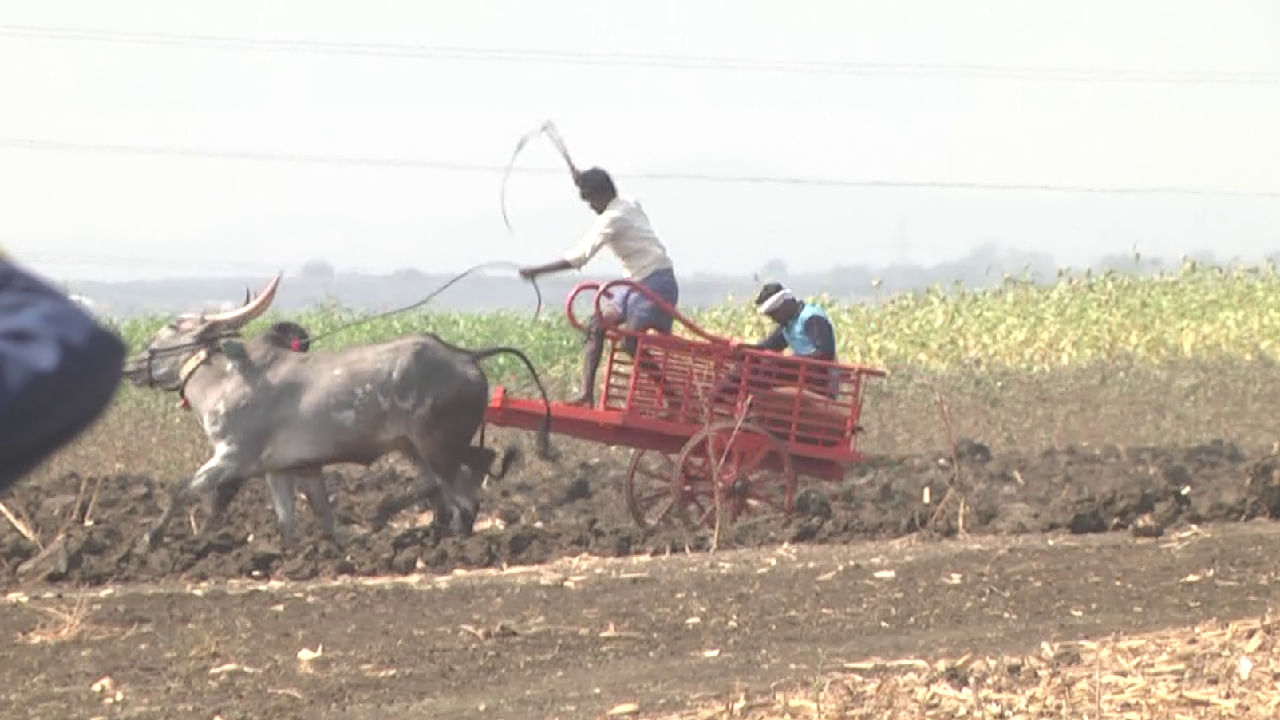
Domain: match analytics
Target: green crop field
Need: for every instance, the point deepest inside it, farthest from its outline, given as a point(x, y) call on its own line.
point(1103, 358)
point(1198, 313)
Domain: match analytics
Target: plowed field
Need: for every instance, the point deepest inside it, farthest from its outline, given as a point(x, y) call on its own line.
point(560, 606)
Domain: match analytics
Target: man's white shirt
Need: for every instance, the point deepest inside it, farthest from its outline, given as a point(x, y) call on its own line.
point(625, 228)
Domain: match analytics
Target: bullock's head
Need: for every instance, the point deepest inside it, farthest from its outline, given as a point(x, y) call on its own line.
point(161, 362)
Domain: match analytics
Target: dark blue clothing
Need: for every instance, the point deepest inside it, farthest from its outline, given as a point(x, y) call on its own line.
point(639, 312)
point(59, 370)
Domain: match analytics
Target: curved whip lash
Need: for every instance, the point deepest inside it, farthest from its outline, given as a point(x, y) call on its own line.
point(546, 128)
point(475, 268)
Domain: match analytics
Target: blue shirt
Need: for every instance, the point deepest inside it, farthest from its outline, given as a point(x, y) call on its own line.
point(809, 334)
point(805, 341)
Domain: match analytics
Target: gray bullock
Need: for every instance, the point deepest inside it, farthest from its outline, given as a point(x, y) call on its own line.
point(269, 411)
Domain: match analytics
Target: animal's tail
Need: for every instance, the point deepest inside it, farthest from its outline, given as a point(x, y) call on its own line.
point(544, 434)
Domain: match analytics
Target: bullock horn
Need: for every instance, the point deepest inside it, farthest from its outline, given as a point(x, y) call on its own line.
point(250, 310)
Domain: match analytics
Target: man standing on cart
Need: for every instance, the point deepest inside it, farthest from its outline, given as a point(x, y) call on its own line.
point(624, 227)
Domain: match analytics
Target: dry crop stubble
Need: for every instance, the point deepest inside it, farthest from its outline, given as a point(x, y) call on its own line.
point(1217, 669)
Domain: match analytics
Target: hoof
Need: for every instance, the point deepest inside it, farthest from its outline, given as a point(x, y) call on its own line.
point(463, 523)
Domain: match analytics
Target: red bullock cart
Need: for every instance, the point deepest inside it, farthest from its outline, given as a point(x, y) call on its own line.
point(699, 411)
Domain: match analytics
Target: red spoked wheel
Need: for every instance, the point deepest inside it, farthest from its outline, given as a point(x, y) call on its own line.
point(648, 487)
point(752, 468)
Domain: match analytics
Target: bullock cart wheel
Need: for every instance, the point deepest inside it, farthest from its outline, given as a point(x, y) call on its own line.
point(751, 466)
point(648, 487)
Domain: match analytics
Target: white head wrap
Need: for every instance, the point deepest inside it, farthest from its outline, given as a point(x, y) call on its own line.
point(772, 302)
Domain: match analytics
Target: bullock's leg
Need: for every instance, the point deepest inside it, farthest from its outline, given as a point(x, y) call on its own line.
point(318, 497)
point(177, 496)
point(426, 492)
point(432, 490)
point(220, 500)
point(509, 456)
point(457, 489)
point(448, 513)
point(442, 443)
point(220, 469)
point(480, 461)
point(470, 480)
point(283, 486)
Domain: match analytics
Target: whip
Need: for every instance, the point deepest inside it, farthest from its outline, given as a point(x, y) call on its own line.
point(549, 129)
point(433, 294)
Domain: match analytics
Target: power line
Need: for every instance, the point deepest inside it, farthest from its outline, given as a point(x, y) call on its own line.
point(220, 264)
point(256, 156)
point(733, 64)
point(446, 166)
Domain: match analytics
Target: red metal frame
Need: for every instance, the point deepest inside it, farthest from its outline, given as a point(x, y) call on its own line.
point(680, 384)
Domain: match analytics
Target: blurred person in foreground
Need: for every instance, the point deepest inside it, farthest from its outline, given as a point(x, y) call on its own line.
point(59, 370)
point(624, 227)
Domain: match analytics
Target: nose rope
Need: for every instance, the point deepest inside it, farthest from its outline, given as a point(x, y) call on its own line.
point(204, 349)
point(205, 344)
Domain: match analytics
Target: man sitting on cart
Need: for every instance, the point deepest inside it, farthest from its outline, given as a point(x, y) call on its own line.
point(622, 226)
point(805, 328)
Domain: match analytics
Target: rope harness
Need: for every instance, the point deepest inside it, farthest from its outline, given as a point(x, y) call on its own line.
point(204, 347)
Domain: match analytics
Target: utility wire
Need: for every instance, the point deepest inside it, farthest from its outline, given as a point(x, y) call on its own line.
point(444, 166)
point(733, 64)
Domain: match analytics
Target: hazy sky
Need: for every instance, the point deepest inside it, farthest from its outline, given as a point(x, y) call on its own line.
point(1080, 93)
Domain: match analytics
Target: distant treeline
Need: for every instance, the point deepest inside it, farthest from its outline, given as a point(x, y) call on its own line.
point(316, 284)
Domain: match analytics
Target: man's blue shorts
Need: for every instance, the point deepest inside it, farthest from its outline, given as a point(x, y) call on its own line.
point(640, 313)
